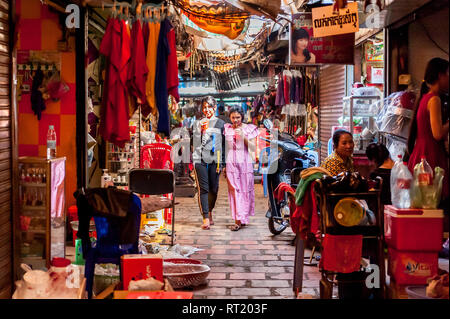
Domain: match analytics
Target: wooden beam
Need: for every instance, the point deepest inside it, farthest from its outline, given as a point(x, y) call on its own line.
point(81, 94)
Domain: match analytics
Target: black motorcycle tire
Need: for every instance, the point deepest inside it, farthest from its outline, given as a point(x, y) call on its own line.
point(273, 228)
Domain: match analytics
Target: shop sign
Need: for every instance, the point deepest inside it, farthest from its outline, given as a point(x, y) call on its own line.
point(308, 49)
point(377, 76)
point(327, 23)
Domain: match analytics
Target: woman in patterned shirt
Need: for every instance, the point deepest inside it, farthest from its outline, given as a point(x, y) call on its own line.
point(341, 159)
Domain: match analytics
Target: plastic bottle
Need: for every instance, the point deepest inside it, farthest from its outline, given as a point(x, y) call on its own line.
point(425, 173)
point(423, 183)
point(401, 181)
point(51, 142)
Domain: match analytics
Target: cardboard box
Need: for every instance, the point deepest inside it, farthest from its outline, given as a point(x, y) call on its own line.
point(138, 267)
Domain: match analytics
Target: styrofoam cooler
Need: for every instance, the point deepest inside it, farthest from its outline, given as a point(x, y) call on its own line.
point(412, 267)
point(413, 229)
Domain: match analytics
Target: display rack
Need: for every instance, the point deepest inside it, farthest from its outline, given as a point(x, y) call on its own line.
point(41, 230)
point(121, 160)
point(360, 106)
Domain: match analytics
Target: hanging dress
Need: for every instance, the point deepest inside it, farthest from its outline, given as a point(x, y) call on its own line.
point(241, 186)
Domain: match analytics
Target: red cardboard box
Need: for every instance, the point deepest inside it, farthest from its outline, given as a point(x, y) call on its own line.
point(414, 229)
point(138, 267)
point(412, 267)
point(159, 295)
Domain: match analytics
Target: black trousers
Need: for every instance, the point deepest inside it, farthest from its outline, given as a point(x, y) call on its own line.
point(208, 186)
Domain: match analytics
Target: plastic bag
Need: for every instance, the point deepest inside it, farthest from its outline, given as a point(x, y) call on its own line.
point(149, 284)
point(428, 196)
point(367, 91)
point(396, 114)
point(56, 87)
point(178, 251)
point(38, 284)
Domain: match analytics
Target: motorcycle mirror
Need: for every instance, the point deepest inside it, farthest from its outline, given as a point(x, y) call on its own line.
point(268, 124)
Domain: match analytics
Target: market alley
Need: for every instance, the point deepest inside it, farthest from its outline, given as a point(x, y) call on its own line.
point(249, 263)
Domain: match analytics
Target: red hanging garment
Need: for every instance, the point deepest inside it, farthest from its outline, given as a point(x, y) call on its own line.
point(172, 67)
point(138, 67)
point(116, 47)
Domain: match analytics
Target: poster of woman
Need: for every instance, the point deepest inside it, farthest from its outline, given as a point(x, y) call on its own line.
point(304, 48)
point(300, 53)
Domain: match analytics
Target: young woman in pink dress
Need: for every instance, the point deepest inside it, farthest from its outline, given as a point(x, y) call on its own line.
point(240, 139)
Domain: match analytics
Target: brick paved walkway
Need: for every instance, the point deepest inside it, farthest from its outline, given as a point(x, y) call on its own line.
point(249, 263)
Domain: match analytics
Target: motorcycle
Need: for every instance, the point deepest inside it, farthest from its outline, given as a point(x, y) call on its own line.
point(285, 166)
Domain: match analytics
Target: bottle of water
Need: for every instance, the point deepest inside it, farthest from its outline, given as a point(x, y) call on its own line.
point(51, 142)
point(401, 180)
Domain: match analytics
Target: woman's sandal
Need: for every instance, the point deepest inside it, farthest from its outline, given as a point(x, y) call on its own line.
point(235, 227)
point(205, 226)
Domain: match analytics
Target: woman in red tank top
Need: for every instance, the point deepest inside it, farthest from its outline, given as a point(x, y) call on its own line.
point(428, 133)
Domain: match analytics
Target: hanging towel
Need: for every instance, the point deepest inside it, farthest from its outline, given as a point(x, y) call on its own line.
point(341, 253)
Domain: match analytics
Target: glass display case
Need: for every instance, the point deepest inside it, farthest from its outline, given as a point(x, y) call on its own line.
point(41, 231)
point(359, 113)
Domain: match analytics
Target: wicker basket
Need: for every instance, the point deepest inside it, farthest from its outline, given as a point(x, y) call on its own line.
point(186, 274)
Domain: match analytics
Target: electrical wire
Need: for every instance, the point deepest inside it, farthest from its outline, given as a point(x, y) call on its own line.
point(431, 39)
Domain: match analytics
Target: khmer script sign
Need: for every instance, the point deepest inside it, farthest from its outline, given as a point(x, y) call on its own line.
point(326, 22)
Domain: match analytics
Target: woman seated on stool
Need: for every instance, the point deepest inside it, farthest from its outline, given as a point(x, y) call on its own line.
point(379, 155)
point(341, 159)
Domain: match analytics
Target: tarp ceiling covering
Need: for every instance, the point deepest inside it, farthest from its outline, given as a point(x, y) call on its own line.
point(218, 17)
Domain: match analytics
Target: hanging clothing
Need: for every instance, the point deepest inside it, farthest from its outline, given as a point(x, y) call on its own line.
point(145, 35)
point(292, 90)
point(37, 100)
point(279, 101)
point(287, 77)
point(115, 47)
point(161, 93)
point(138, 69)
point(172, 67)
point(241, 186)
point(153, 38)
